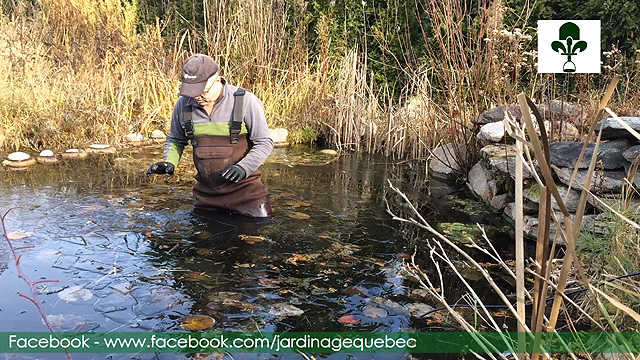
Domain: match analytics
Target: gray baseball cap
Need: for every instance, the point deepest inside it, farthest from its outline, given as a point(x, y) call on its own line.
point(196, 71)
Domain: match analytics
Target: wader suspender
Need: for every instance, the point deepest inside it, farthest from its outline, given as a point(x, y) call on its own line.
point(237, 116)
point(188, 125)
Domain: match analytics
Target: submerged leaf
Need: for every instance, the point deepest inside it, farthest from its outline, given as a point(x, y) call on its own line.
point(419, 309)
point(194, 276)
point(298, 215)
point(252, 239)
point(196, 322)
point(298, 203)
point(348, 319)
point(374, 312)
point(283, 309)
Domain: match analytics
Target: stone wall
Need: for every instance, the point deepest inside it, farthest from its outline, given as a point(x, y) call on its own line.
point(492, 178)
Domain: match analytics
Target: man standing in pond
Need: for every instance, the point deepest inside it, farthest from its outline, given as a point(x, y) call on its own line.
point(230, 137)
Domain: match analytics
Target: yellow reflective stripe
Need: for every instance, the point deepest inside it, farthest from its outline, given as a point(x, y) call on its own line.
point(215, 129)
point(174, 154)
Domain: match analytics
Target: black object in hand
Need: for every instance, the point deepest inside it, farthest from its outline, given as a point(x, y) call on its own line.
point(234, 173)
point(161, 167)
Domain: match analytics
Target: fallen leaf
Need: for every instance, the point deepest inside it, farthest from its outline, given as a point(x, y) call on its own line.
point(355, 290)
point(298, 215)
point(374, 312)
point(328, 272)
point(419, 309)
point(194, 276)
point(196, 322)
point(266, 282)
point(283, 309)
point(223, 296)
point(298, 257)
point(204, 251)
point(348, 319)
point(75, 293)
point(297, 203)
point(19, 234)
point(252, 239)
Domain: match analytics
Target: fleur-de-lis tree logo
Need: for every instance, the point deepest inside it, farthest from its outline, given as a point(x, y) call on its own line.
point(570, 34)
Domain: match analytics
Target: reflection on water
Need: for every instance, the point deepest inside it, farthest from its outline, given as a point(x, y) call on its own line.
point(146, 261)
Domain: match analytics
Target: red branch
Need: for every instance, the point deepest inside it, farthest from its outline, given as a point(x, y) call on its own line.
point(31, 284)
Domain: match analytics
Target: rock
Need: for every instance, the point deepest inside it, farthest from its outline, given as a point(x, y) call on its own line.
point(631, 153)
point(502, 158)
point(158, 134)
point(602, 181)
point(444, 162)
point(571, 202)
point(491, 151)
point(497, 114)
point(329, 152)
point(565, 154)
point(47, 157)
point(18, 156)
point(528, 208)
point(134, 138)
point(556, 109)
point(493, 132)
point(563, 129)
point(530, 224)
point(481, 182)
point(439, 189)
point(611, 129)
point(19, 161)
point(74, 154)
point(101, 149)
point(279, 135)
point(499, 202)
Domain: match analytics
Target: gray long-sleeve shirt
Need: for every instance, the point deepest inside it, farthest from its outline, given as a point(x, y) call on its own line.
point(255, 125)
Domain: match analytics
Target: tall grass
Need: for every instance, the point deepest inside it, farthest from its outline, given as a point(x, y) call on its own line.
point(79, 71)
point(75, 72)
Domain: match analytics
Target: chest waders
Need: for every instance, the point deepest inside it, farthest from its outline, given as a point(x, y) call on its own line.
point(214, 153)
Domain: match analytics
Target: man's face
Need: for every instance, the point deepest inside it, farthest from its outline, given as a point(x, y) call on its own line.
point(212, 91)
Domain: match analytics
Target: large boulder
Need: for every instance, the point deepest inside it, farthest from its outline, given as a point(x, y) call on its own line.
point(445, 160)
point(632, 153)
point(557, 109)
point(601, 181)
point(481, 182)
point(571, 200)
point(565, 154)
point(502, 158)
point(530, 224)
point(497, 114)
point(492, 132)
point(611, 128)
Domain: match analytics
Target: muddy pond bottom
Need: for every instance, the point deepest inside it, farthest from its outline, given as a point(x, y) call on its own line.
point(129, 255)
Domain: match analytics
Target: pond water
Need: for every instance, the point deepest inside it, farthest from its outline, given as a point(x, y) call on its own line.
point(129, 254)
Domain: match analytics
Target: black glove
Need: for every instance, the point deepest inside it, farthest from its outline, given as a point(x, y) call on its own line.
point(161, 167)
point(234, 173)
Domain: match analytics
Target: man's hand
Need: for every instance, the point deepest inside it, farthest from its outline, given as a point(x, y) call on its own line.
point(161, 167)
point(234, 173)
